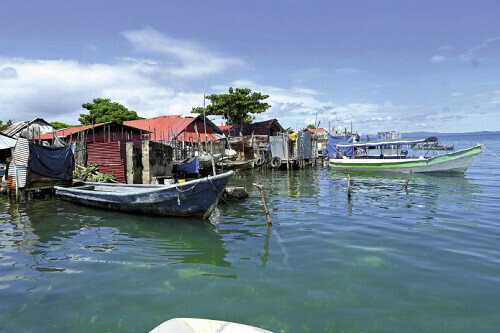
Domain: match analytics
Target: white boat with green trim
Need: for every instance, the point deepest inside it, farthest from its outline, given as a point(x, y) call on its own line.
point(391, 156)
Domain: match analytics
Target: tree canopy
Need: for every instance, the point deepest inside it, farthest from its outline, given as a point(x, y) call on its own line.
point(59, 125)
point(237, 107)
point(4, 126)
point(103, 110)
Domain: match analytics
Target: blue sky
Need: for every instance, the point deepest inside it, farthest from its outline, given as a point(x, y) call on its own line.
point(382, 65)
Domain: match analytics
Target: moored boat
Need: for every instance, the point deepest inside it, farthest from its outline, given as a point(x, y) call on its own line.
point(195, 198)
point(391, 157)
point(188, 166)
point(196, 325)
point(432, 143)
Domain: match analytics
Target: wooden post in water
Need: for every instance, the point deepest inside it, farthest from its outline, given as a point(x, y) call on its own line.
point(260, 187)
point(285, 137)
point(405, 183)
point(15, 170)
point(349, 186)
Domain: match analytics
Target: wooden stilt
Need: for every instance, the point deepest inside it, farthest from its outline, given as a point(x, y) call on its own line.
point(261, 189)
point(349, 186)
point(405, 183)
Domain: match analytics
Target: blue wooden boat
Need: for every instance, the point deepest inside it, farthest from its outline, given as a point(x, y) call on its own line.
point(195, 198)
point(189, 166)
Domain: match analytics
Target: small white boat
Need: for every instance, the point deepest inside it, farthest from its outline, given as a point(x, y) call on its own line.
point(195, 325)
point(389, 156)
point(195, 198)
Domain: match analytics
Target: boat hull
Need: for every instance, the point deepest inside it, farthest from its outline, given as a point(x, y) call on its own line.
point(196, 198)
point(455, 162)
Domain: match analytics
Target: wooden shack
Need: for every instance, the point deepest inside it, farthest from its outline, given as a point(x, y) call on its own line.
point(252, 140)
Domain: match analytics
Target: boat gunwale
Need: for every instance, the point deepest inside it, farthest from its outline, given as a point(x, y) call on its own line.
point(142, 189)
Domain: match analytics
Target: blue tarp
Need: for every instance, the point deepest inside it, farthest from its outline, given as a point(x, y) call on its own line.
point(332, 145)
point(53, 162)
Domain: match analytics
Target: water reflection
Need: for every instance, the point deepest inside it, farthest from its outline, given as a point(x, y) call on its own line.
point(265, 256)
point(51, 231)
point(426, 195)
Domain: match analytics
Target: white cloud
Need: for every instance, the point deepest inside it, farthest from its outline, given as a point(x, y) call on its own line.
point(494, 98)
point(473, 53)
point(160, 81)
point(438, 58)
point(56, 89)
point(92, 47)
point(8, 73)
point(193, 60)
point(445, 48)
point(456, 93)
point(298, 107)
point(308, 74)
point(347, 70)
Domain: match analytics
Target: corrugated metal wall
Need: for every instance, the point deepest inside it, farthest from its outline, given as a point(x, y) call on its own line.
point(19, 171)
point(110, 157)
point(16, 170)
point(304, 145)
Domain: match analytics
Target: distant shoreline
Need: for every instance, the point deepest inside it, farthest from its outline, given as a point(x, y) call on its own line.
point(428, 134)
point(424, 135)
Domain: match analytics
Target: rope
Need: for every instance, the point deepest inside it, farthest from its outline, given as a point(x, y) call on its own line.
point(489, 151)
point(216, 190)
point(192, 189)
point(179, 191)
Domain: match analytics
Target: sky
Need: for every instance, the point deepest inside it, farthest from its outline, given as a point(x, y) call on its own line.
point(379, 65)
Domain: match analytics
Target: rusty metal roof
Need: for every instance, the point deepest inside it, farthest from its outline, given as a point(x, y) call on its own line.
point(162, 128)
point(178, 127)
point(73, 130)
point(267, 127)
point(13, 129)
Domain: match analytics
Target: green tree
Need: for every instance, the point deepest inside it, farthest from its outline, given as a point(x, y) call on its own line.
point(236, 107)
point(59, 125)
point(103, 110)
point(311, 126)
point(4, 126)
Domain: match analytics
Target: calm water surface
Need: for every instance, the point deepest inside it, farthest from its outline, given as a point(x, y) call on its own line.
point(422, 260)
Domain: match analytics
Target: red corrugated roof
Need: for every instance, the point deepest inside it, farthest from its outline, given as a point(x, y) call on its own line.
point(163, 124)
point(69, 131)
point(182, 128)
point(164, 127)
point(73, 130)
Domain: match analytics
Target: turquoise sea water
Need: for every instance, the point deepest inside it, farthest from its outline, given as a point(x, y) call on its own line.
point(422, 260)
